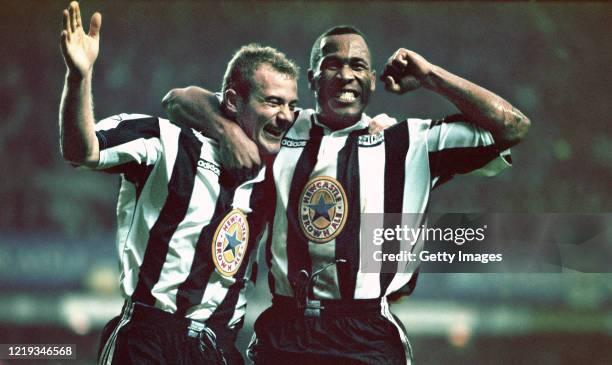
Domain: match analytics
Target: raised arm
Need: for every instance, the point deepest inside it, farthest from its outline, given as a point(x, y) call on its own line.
point(78, 142)
point(407, 70)
point(200, 109)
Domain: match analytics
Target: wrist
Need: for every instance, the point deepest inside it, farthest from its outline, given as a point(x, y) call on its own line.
point(225, 123)
point(430, 81)
point(227, 130)
point(76, 78)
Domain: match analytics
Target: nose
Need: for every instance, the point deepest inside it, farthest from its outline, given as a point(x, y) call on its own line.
point(285, 117)
point(346, 73)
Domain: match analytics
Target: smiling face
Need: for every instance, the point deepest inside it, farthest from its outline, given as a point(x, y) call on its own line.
point(267, 113)
point(342, 79)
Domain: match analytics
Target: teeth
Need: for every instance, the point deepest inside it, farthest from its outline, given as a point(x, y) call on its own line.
point(347, 96)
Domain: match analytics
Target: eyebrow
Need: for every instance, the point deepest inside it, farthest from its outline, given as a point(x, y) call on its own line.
point(350, 59)
point(280, 98)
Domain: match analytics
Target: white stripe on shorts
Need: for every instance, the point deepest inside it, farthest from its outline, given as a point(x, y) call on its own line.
point(106, 357)
point(386, 312)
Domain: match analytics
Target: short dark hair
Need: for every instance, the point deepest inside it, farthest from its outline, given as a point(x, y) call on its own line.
point(247, 59)
point(315, 52)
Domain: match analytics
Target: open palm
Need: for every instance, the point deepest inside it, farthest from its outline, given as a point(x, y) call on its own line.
point(80, 50)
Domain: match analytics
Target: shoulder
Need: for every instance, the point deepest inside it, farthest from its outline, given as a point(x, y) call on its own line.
point(114, 120)
point(419, 127)
point(302, 124)
point(415, 127)
point(207, 143)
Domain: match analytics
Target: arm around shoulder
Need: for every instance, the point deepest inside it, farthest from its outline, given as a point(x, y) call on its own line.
point(197, 108)
point(200, 109)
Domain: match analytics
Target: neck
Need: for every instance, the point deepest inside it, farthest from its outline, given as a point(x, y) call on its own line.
point(336, 123)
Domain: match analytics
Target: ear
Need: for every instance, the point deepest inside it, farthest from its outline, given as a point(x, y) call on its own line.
point(373, 83)
point(230, 99)
point(311, 80)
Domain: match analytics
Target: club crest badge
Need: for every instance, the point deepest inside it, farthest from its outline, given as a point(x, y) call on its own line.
point(323, 209)
point(230, 243)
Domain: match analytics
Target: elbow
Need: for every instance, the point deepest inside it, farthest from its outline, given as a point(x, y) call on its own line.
point(524, 126)
point(520, 129)
point(175, 96)
point(169, 100)
point(177, 100)
point(79, 158)
point(73, 158)
point(514, 132)
point(68, 154)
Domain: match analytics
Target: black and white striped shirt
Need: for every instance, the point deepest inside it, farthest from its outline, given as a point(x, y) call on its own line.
point(185, 233)
point(325, 179)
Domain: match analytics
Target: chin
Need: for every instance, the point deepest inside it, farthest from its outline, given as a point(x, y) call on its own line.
point(347, 116)
point(269, 149)
point(348, 113)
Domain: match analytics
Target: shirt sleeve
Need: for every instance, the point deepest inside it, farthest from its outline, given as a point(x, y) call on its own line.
point(457, 146)
point(128, 139)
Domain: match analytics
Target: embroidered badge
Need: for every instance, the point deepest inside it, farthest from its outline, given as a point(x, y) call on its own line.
point(322, 209)
point(230, 242)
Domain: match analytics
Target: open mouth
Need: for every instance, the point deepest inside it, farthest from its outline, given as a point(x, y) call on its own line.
point(274, 131)
point(346, 96)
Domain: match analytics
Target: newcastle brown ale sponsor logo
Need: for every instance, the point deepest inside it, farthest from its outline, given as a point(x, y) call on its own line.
point(322, 209)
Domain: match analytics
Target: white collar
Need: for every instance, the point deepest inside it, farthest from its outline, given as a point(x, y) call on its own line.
point(364, 122)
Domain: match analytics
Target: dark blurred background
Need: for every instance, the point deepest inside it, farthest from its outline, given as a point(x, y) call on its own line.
point(58, 272)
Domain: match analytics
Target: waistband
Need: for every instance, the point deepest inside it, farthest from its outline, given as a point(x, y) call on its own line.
point(143, 312)
point(169, 321)
point(327, 306)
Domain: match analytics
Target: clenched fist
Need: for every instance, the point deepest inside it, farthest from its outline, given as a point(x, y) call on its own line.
point(406, 71)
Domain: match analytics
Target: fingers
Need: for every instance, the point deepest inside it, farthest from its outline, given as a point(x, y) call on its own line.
point(239, 168)
point(374, 128)
point(396, 66)
point(380, 123)
point(77, 16)
point(389, 74)
point(240, 154)
point(247, 165)
point(95, 25)
point(63, 41)
point(66, 24)
point(394, 69)
point(73, 10)
point(71, 21)
point(404, 71)
point(234, 159)
point(399, 57)
point(248, 162)
point(399, 62)
point(391, 85)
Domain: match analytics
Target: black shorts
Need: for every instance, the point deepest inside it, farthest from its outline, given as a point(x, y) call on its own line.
point(345, 332)
point(147, 335)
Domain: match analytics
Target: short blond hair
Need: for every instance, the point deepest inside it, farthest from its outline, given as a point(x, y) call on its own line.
point(244, 63)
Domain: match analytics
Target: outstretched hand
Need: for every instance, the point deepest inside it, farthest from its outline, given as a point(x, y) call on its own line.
point(406, 71)
point(80, 50)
